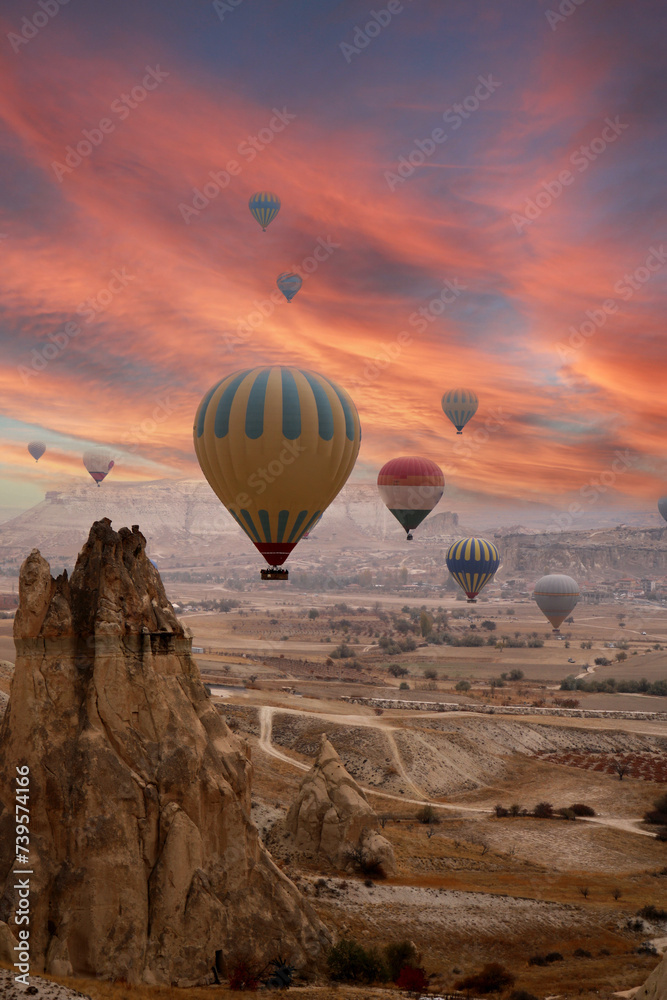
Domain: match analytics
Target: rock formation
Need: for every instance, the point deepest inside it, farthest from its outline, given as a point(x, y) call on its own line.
point(655, 987)
point(331, 813)
point(145, 863)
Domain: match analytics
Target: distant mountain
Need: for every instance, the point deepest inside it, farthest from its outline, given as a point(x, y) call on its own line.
point(186, 526)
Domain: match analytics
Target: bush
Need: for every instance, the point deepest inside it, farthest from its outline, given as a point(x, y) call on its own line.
point(567, 813)
point(522, 995)
point(281, 976)
point(651, 912)
point(412, 979)
point(516, 675)
point(582, 953)
point(501, 811)
point(581, 809)
point(427, 815)
point(463, 686)
point(242, 978)
point(350, 963)
point(403, 686)
point(430, 674)
point(397, 671)
point(492, 978)
point(659, 813)
point(543, 810)
point(552, 956)
point(397, 955)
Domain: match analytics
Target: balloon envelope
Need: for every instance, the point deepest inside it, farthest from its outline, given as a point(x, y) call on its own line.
point(306, 534)
point(36, 449)
point(460, 405)
point(98, 462)
point(472, 562)
point(662, 507)
point(411, 488)
point(264, 206)
point(276, 444)
point(556, 596)
point(289, 284)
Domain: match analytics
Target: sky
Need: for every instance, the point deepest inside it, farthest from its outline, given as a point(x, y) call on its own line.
point(483, 184)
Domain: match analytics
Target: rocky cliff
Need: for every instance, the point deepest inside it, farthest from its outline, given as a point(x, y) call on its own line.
point(590, 555)
point(330, 814)
point(145, 863)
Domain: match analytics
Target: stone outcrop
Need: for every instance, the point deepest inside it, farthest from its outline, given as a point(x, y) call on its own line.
point(145, 862)
point(655, 987)
point(331, 813)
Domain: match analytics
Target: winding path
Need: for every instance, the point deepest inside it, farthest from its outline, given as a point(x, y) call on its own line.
point(266, 713)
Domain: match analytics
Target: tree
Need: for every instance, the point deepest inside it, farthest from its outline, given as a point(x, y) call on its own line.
point(397, 671)
point(313, 613)
point(543, 810)
point(516, 675)
point(584, 890)
point(425, 624)
point(621, 656)
point(463, 686)
point(621, 769)
point(491, 626)
point(430, 674)
point(602, 661)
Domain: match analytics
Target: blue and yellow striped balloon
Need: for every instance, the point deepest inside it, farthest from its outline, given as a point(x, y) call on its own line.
point(276, 445)
point(264, 206)
point(472, 562)
point(460, 405)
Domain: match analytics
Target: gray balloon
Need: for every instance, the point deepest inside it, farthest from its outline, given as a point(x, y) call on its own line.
point(662, 507)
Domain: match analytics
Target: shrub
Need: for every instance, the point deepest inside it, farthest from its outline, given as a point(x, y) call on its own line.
point(281, 976)
point(659, 813)
point(403, 686)
point(313, 613)
point(516, 675)
point(397, 671)
point(552, 956)
point(463, 686)
point(543, 810)
point(501, 811)
point(567, 813)
point(397, 955)
point(651, 912)
point(522, 995)
point(412, 979)
point(515, 809)
point(427, 815)
point(349, 962)
point(581, 809)
point(363, 863)
point(582, 953)
point(430, 674)
point(243, 978)
point(491, 979)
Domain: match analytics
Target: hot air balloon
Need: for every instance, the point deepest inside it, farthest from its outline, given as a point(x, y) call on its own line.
point(472, 562)
point(556, 596)
point(264, 206)
point(36, 449)
point(276, 444)
point(411, 488)
point(662, 507)
point(289, 284)
point(99, 463)
point(460, 405)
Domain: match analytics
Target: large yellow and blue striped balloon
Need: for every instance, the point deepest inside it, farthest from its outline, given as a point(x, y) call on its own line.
point(276, 445)
point(460, 405)
point(472, 562)
point(264, 206)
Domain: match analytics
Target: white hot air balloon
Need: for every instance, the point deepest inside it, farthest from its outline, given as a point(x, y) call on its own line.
point(99, 463)
point(556, 596)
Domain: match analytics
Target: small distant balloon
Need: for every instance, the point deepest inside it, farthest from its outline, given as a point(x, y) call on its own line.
point(662, 507)
point(264, 206)
point(99, 463)
point(460, 405)
point(472, 562)
point(556, 595)
point(36, 449)
point(289, 284)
